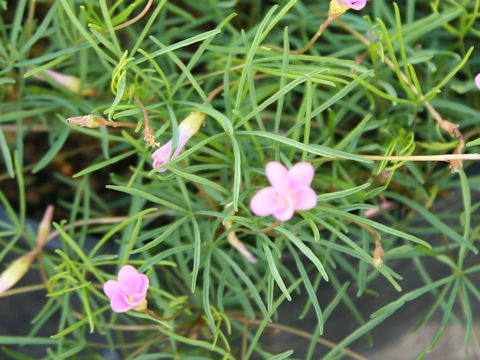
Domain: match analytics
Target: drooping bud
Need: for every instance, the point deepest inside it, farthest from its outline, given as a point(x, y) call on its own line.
point(15, 271)
point(69, 82)
point(378, 255)
point(186, 129)
point(90, 121)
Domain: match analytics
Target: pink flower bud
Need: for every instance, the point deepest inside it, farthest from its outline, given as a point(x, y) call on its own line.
point(69, 82)
point(186, 129)
point(477, 81)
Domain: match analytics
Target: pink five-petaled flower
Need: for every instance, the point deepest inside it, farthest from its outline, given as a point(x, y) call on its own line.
point(186, 129)
point(289, 191)
point(477, 81)
point(129, 291)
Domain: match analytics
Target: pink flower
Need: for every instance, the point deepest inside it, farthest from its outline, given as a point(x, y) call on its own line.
point(129, 291)
point(290, 191)
point(186, 129)
point(477, 81)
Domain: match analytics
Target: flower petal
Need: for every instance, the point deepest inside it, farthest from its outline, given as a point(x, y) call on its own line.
point(182, 141)
point(356, 4)
point(128, 278)
point(477, 81)
point(118, 304)
point(284, 213)
point(306, 198)
point(264, 202)
point(111, 288)
point(277, 175)
point(142, 285)
point(301, 174)
point(162, 155)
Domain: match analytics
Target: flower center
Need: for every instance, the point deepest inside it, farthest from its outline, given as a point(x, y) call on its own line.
point(288, 197)
point(130, 298)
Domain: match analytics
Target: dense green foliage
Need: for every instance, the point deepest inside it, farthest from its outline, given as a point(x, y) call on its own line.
point(333, 105)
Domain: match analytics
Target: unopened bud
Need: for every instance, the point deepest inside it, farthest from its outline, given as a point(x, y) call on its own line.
point(89, 121)
point(186, 129)
point(190, 125)
point(69, 82)
point(378, 256)
point(44, 227)
point(15, 271)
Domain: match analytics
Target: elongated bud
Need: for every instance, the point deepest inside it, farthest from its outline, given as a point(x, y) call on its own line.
point(89, 121)
point(44, 227)
point(190, 125)
point(378, 255)
point(15, 271)
point(69, 82)
point(186, 129)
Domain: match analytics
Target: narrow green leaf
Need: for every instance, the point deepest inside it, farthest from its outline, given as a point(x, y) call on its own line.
point(446, 316)
point(147, 196)
point(206, 291)
point(342, 194)
point(432, 219)
point(103, 164)
point(7, 157)
point(78, 324)
point(274, 271)
point(197, 245)
point(304, 249)
point(412, 295)
point(308, 287)
point(237, 172)
point(377, 225)
point(54, 149)
point(312, 149)
point(241, 274)
point(159, 239)
point(198, 179)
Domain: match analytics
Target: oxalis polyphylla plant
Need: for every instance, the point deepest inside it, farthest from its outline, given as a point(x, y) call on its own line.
point(223, 157)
